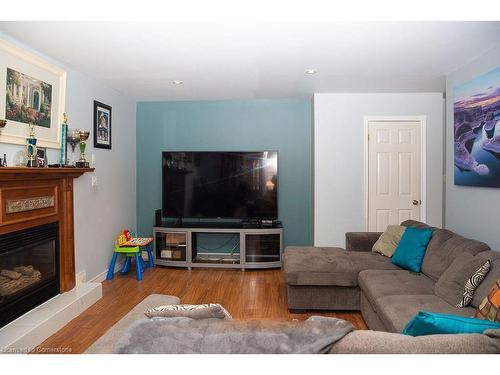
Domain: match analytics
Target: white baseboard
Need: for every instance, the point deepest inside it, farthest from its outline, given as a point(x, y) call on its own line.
point(102, 276)
point(29, 330)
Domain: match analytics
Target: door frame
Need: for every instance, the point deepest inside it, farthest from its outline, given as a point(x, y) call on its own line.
point(423, 167)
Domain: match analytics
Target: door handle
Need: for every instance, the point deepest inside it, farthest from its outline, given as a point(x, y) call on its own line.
point(416, 202)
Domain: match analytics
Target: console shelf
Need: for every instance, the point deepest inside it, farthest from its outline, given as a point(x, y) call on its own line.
point(250, 248)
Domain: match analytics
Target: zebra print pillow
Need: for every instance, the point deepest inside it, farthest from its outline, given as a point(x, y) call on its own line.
point(473, 283)
point(205, 311)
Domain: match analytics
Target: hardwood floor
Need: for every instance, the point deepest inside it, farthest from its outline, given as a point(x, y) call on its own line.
point(246, 295)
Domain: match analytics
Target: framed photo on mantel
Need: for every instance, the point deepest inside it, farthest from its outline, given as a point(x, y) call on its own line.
point(32, 91)
point(102, 125)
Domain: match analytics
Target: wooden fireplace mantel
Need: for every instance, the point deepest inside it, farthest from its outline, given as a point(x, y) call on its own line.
point(30, 197)
point(10, 173)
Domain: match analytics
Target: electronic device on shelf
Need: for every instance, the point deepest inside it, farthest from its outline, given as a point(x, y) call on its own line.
point(158, 218)
point(251, 223)
point(261, 223)
point(271, 224)
point(245, 224)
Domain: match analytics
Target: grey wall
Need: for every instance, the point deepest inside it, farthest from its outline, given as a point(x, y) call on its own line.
point(471, 211)
point(339, 153)
point(100, 212)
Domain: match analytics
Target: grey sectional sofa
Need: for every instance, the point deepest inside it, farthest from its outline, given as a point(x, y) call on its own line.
point(322, 278)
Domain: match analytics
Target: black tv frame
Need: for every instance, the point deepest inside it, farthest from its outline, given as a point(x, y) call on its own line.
point(179, 219)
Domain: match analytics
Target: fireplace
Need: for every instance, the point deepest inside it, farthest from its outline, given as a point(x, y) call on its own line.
point(29, 269)
point(37, 253)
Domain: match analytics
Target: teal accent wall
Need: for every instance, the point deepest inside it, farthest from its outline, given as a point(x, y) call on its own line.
point(230, 125)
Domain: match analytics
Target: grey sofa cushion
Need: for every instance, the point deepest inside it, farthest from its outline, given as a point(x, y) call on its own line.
point(389, 240)
point(438, 258)
point(376, 284)
point(361, 241)
point(494, 274)
point(415, 224)
point(396, 311)
point(318, 266)
point(374, 342)
point(450, 285)
point(370, 261)
point(431, 266)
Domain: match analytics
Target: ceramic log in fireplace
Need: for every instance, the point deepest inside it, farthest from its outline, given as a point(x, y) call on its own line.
point(37, 259)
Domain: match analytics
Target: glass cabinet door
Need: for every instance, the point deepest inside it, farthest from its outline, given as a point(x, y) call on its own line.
point(262, 248)
point(171, 246)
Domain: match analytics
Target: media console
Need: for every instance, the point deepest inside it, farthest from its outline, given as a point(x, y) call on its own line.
point(244, 247)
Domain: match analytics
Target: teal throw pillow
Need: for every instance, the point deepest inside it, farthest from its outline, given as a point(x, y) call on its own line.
point(409, 253)
point(428, 323)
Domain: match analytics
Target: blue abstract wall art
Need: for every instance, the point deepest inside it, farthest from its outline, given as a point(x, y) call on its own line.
point(477, 131)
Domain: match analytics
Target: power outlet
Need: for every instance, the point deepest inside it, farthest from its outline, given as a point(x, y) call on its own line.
point(94, 181)
point(81, 277)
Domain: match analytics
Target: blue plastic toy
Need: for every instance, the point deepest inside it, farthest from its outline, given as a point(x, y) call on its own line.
point(131, 246)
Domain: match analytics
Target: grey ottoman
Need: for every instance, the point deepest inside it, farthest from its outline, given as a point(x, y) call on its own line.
point(320, 278)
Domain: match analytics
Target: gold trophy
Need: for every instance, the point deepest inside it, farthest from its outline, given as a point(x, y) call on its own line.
point(31, 148)
point(84, 135)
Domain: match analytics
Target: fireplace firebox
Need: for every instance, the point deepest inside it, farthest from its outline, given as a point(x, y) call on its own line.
point(29, 269)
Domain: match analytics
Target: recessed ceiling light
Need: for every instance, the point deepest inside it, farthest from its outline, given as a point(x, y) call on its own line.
point(311, 71)
point(177, 82)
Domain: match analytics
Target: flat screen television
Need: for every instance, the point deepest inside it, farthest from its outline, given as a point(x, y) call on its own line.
point(236, 185)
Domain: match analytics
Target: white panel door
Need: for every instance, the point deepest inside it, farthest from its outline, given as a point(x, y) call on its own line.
point(394, 173)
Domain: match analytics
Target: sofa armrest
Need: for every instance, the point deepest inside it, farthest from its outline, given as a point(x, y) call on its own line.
point(377, 342)
point(361, 241)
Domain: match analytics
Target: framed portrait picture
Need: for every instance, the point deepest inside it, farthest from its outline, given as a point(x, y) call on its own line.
point(41, 157)
point(102, 125)
point(32, 91)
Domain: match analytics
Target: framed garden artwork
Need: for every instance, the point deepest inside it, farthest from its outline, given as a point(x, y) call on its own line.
point(102, 125)
point(32, 91)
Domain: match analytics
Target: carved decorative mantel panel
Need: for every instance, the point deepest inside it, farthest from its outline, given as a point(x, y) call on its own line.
point(29, 204)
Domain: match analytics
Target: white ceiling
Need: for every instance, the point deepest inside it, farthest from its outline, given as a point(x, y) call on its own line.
point(233, 61)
